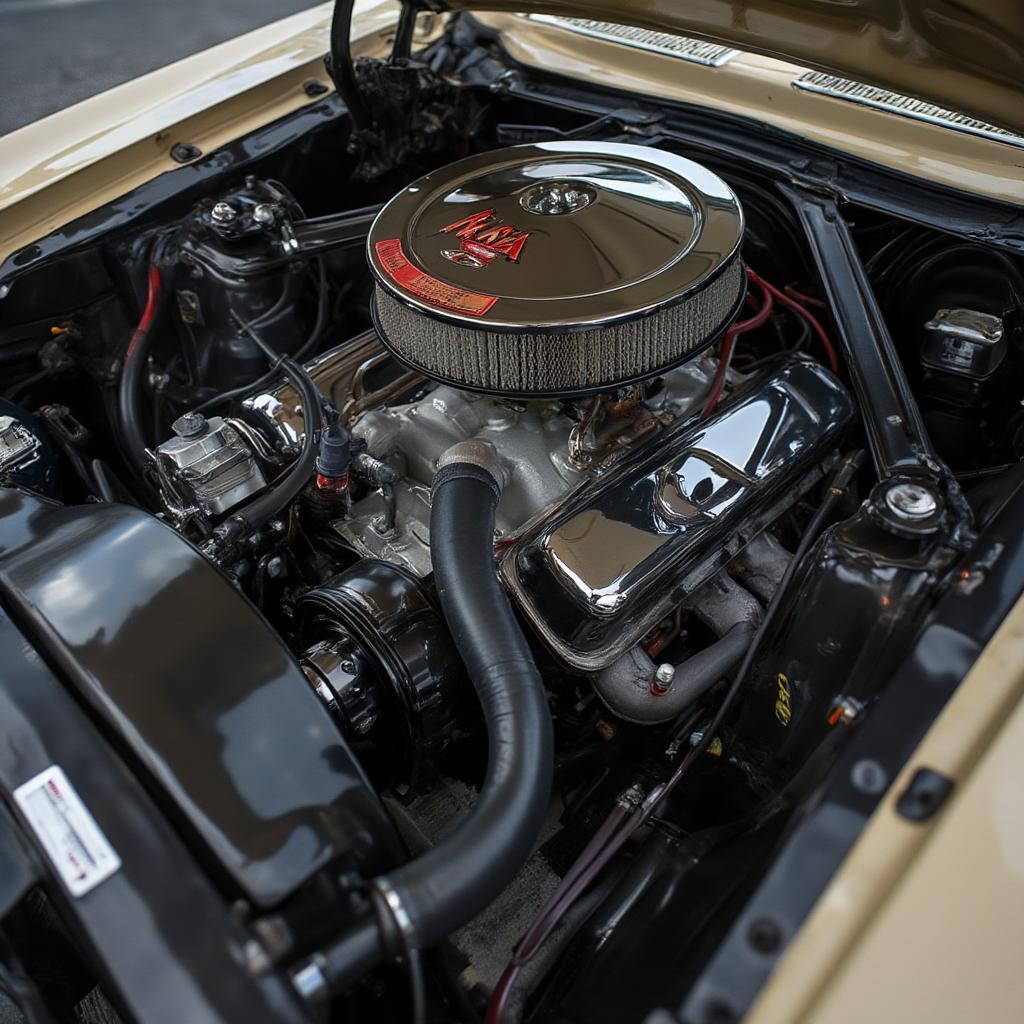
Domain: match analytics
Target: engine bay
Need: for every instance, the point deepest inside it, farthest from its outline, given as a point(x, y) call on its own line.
point(483, 541)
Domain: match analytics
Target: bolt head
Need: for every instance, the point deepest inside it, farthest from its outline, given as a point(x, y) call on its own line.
point(869, 777)
point(191, 424)
point(911, 502)
point(665, 674)
point(662, 681)
point(223, 213)
point(185, 152)
point(764, 935)
point(263, 214)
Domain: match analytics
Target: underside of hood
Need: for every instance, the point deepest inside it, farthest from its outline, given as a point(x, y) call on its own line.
point(965, 55)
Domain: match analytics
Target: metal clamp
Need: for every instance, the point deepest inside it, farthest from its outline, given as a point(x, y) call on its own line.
point(397, 915)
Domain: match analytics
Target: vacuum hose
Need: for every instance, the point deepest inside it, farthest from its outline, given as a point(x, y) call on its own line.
point(423, 901)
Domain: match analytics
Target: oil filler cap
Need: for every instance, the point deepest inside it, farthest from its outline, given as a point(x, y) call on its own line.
point(557, 268)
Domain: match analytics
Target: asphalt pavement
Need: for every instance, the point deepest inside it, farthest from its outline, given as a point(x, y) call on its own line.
point(57, 52)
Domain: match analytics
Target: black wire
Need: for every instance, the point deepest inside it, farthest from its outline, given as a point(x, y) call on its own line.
point(401, 48)
point(924, 268)
point(243, 390)
point(772, 358)
point(394, 938)
point(286, 294)
point(74, 457)
point(286, 487)
point(309, 345)
point(893, 246)
point(12, 393)
point(104, 484)
point(744, 364)
point(981, 474)
point(417, 984)
point(274, 357)
point(838, 486)
point(341, 65)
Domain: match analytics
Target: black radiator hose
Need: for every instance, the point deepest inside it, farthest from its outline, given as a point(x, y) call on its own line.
point(423, 901)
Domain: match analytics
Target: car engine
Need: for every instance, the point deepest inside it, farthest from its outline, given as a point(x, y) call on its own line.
point(483, 577)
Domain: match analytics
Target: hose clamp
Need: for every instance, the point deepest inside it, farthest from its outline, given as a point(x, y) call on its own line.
point(390, 905)
point(476, 452)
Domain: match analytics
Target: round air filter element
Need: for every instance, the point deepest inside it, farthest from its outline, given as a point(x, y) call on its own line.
point(557, 268)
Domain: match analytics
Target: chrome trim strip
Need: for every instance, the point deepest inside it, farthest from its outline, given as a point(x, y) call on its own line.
point(696, 51)
point(905, 106)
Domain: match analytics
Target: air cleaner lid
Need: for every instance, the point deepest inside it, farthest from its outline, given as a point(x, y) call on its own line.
point(555, 237)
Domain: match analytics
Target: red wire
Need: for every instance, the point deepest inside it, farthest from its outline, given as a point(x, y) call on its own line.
point(807, 300)
point(725, 357)
point(613, 834)
point(155, 283)
point(826, 342)
point(615, 831)
point(552, 911)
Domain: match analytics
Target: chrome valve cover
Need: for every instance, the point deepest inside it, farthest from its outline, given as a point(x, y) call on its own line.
point(600, 573)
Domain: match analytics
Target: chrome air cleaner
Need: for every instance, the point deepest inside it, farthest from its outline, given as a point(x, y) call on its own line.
point(557, 268)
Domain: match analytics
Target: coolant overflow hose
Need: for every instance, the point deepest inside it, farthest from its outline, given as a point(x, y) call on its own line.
point(427, 899)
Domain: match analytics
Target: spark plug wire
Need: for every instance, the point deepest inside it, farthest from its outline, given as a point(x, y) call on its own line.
point(621, 825)
point(803, 297)
point(729, 344)
point(803, 311)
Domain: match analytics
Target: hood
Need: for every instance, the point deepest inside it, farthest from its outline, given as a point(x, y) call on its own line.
point(964, 55)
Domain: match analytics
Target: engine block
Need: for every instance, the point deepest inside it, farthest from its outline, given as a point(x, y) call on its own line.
point(547, 448)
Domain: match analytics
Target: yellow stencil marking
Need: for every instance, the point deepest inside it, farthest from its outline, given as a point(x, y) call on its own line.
point(783, 703)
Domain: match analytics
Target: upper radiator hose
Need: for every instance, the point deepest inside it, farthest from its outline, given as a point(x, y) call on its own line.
point(427, 899)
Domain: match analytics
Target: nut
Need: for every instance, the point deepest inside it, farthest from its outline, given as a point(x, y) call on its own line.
point(223, 213)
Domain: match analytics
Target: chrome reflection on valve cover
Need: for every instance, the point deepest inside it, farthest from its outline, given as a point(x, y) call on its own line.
point(601, 573)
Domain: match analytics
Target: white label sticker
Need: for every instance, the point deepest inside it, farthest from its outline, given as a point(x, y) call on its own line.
point(67, 831)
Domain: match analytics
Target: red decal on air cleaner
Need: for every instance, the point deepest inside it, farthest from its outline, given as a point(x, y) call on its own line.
point(396, 265)
point(484, 238)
